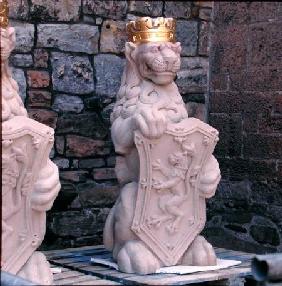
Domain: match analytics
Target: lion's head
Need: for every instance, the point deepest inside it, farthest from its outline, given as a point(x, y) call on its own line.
point(157, 62)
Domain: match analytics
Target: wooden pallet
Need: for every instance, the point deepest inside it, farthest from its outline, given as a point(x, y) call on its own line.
point(77, 270)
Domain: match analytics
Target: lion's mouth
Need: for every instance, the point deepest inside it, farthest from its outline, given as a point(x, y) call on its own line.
point(161, 70)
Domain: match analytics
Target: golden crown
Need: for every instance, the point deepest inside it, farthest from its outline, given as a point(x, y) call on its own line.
point(4, 10)
point(146, 29)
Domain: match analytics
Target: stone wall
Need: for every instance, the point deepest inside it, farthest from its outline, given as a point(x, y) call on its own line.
point(245, 104)
point(68, 62)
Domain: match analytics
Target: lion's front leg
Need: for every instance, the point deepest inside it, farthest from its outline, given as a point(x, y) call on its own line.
point(122, 132)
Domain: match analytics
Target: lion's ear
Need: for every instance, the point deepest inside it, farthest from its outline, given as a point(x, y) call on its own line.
point(129, 48)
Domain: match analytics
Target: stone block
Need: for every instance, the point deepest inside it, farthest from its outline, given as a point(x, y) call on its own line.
point(106, 113)
point(92, 194)
point(67, 103)
point(18, 9)
point(39, 98)
point(111, 161)
point(265, 45)
point(69, 38)
point(24, 36)
point(19, 77)
point(197, 110)
point(113, 37)
point(21, 60)
point(74, 176)
point(266, 146)
point(204, 34)
point(265, 234)
point(60, 144)
point(73, 223)
point(219, 82)
point(192, 76)
point(87, 124)
point(108, 67)
point(231, 13)
point(59, 10)
point(74, 164)
point(257, 79)
point(104, 174)
point(264, 12)
point(229, 49)
point(47, 117)
point(79, 146)
point(62, 163)
point(254, 169)
point(230, 133)
point(205, 14)
point(72, 74)
point(91, 163)
point(187, 35)
point(112, 9)
point(178, 9)
point(41, 57)
point(146, 8)
point(234, 102)
point(267, 191)
point(204, 3)
point(38, 79)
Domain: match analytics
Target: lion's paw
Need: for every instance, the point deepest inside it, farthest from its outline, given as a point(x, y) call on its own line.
point(134, 257)
point(199, 253)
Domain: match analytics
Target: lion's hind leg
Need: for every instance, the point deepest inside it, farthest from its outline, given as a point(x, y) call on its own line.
point(135, 257)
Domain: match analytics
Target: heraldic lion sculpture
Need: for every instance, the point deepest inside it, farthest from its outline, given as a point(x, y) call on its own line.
point(149, 105)
point(30, 180)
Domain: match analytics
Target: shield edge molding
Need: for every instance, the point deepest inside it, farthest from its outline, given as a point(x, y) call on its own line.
point(138, 225)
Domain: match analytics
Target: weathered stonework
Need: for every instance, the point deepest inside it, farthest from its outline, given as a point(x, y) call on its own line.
point(60, 10)
point(245, 93)
point(71, 38)
point(110, 8)
point(108, 67)
point(24, 36)
point(72, 74)
point(21, 60)
point(187, 34)
point(19, 76)
point(66, 103)
point(178, 9)
point(113, 37)
point(149, 8)
point(18, 9)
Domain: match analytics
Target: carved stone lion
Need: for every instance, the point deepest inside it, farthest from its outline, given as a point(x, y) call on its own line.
point(30, 180)
point(148, 100)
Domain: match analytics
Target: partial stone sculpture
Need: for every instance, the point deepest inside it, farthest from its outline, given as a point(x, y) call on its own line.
point(30, 181)
point(166, 169)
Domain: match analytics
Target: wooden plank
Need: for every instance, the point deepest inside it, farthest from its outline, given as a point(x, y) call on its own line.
point(67, 274)
point(186, 279)
point(73, 249)
point(78, 260)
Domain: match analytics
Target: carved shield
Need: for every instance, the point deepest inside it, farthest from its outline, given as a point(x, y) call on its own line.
point(26, 145)
point(170, 210)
